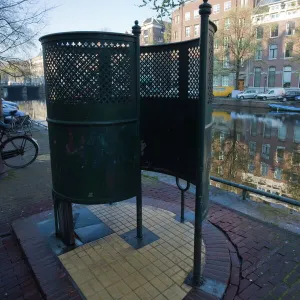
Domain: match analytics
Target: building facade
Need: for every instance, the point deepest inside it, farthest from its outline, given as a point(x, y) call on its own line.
point(273, 64)
point(152, 32)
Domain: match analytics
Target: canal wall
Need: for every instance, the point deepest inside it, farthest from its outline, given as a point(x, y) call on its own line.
point(251, 104)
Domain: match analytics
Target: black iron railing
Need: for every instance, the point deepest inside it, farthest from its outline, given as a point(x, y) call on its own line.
point(246, 189)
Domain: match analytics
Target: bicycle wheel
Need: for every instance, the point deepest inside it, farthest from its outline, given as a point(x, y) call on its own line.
point(19, 151)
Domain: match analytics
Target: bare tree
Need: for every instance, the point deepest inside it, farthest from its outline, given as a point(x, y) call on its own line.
point(20, 22)
point(236, 38)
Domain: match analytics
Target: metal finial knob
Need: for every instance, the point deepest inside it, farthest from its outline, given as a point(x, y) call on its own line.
point(205, 8)
point(136, 29)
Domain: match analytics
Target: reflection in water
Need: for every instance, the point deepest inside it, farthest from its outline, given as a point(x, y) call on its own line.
point(36, 109)
point(255, 149)
point(258, 150)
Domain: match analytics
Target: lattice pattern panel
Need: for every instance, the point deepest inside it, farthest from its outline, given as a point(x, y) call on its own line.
point(193, 72)
point(159, 75)
point(89, 72)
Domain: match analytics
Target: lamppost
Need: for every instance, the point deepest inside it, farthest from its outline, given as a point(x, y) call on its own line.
point(265, 83)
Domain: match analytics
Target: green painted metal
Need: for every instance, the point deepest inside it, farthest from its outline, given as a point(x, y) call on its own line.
point(204, 131)
point(92, 101)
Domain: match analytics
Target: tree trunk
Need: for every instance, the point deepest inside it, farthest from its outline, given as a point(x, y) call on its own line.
point(237, 75)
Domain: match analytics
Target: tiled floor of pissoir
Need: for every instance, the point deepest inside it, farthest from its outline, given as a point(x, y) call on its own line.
point(110, 268)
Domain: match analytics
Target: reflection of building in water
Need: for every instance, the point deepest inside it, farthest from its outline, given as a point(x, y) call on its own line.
point(259, 151)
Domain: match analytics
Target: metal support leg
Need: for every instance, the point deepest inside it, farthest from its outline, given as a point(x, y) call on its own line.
point(139, 213)
point(65, 222)
point(55, 209)
point(183, 190)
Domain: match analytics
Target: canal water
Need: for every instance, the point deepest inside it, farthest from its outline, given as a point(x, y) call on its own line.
point(260, 149)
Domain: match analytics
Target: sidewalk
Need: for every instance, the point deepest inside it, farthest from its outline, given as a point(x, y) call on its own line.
point(267, 267)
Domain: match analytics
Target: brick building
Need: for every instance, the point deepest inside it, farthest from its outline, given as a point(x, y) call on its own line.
point(152, 32)
point(272, 65)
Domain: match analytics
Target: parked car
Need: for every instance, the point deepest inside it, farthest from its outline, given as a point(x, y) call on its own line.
point(222, 91)
point(290, 95)
point(248, 94)
point(275, 93)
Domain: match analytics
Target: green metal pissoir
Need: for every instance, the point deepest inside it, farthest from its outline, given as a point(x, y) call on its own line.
point(92, 97)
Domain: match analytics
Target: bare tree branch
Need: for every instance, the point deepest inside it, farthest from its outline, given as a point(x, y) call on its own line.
point(20, 22)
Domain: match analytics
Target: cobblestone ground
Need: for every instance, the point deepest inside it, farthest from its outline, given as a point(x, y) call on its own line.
point(269, 256)
point(16, 281)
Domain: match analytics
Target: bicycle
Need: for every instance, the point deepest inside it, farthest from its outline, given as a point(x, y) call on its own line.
point(17, 151)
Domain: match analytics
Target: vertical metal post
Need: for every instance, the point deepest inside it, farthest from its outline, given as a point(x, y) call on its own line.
point(182, 190)
point(205, 11)
point(136, 31)
point(55, 209)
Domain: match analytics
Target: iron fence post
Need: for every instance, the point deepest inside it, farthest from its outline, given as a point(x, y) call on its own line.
point(136, 30)
point(204, 11)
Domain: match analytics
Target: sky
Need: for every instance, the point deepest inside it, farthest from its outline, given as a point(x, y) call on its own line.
point(111, 15)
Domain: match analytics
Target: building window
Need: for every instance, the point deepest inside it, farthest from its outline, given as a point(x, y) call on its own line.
point(222, 138)
point(264, 169)
point(271, 77)
point(187, 31)
point(187, 16)
point(196, 13)
point(244, 3)
point(220, 170)
point(177, 19)
point(265, 151)
point(216, 8)
point(274, 30)
point(242, 21)
point(196, 30)
point(145, 33)
point(280, 153)
point(267, 129)
point(278, 174)
point(227, 5)
point(296, 158)
point(216, 44)
point(259, 32)
point(226, 41)
point(217, 81)
point(251, 167)
point(252, 148)
point(221, 155)
point(257, 76)
point(227, 23)
point(225, 80)
point(290, 28)
point(226, 61)
point(258, 52)
point(253, 128)
point(287, 76)
point(288, 49)
point(273, 49)
point(297, 134)
point(242, 61)
point(282, 132)
point(176, 35)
